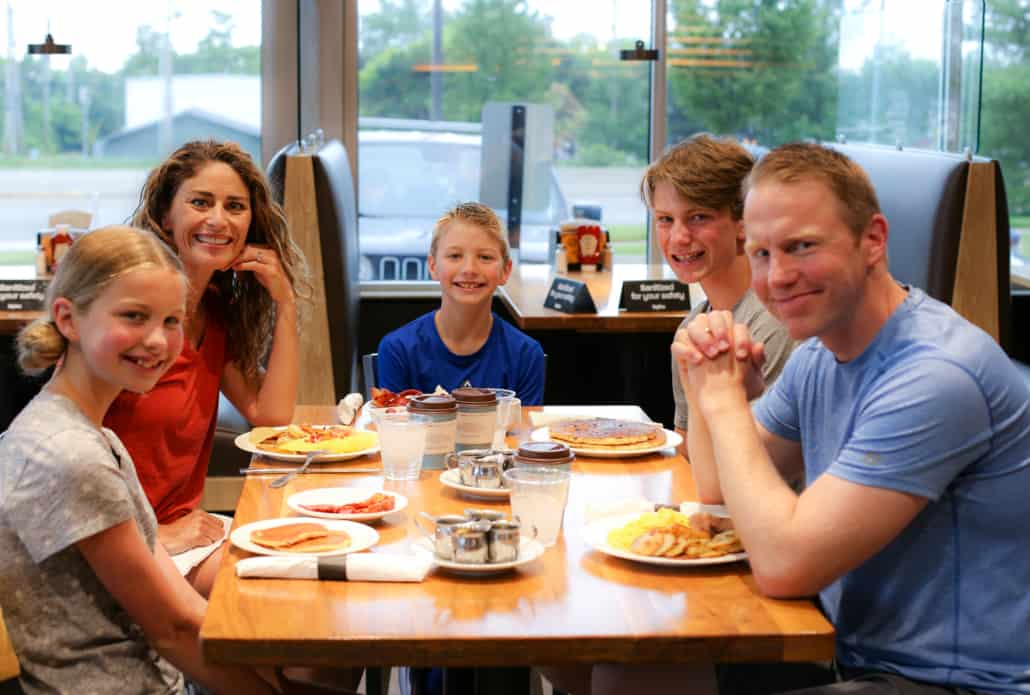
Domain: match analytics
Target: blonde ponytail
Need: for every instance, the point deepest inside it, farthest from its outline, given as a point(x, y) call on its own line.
point(92, 263)
point(40, 346)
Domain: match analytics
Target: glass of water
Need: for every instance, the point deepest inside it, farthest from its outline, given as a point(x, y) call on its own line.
point(509, 417)
point(402, 440)
point(538, 497)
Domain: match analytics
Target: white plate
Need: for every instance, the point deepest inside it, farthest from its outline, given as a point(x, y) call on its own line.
point(361, 536)
point(452, 478)
point(529, 550)
point(342, 495)
point(672, 439)
point(596, 535)
point(243, 442)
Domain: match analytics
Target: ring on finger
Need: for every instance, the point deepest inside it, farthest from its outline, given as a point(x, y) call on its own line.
point(258, 258)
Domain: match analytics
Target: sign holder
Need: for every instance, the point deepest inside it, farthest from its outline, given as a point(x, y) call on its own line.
point(654, 295)
point(569, 297)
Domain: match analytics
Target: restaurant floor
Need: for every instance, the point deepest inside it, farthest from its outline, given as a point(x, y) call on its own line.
point(538, 686)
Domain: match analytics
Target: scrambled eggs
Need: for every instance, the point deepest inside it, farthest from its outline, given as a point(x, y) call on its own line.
point(624, 536)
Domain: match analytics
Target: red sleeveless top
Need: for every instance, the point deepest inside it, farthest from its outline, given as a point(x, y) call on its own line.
point(169, 430)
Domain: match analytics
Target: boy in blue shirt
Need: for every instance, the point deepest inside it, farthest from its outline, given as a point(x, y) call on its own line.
point(464, 340)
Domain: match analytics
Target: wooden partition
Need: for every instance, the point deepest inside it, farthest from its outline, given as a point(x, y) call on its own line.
point(316, 384)
point(976, 295)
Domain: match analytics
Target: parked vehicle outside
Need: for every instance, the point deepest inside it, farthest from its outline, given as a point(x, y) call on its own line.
point(409, 174)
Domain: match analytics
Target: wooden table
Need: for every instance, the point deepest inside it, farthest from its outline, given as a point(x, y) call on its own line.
point(527, 288)
point(12, 321)
point(572, 605)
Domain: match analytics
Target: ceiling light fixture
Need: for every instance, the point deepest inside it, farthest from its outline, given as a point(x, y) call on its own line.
point(48, 47)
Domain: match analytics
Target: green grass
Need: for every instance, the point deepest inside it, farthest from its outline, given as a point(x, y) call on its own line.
point(73, 161)
point(621, 250)
point(627, 232)
point(27, 257)
point(1019, 221)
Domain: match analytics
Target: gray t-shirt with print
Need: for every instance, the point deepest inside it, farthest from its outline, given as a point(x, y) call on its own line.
point(62, 480)
point(763, 326)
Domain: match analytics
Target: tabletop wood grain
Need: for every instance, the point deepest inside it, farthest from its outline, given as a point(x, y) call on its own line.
point(572, 605)
point(526, 290)
point(12, 321)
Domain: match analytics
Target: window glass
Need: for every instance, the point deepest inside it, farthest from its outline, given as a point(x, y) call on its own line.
point(762, 72)
point(437, 84)
point(1005, 112)
point(81, 131)
point(856, 70)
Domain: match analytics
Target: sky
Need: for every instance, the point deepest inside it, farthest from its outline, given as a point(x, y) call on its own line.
point(110, 25)
point(104, 31)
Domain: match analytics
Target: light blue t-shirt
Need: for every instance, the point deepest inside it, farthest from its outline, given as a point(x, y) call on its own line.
point(934, 408)
point(414, 356)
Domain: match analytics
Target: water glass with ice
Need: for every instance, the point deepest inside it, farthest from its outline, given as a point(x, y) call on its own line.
point(538, 497)
point(509, 416)
point(402, 440)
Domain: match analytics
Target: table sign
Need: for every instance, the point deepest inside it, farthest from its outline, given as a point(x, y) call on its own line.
point(22, 295)
point(654, 295)
point(570, 297)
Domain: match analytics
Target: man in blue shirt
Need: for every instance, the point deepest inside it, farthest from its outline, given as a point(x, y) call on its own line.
point(910, 425)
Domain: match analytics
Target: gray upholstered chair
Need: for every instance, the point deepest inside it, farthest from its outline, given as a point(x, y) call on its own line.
point(949, 229)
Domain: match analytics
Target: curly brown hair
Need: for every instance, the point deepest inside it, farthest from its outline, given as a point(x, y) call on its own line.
point(704, 170)
point(245, 304)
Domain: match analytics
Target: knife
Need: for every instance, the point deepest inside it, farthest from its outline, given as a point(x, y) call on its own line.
point(247, 471)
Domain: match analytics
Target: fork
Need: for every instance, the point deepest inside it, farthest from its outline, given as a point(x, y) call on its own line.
point(282, 480)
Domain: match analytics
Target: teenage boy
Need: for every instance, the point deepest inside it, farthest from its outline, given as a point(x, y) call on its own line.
point(694, 193)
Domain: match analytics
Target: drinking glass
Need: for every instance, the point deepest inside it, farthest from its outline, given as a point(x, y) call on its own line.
point(538, 497)
point(509, 419)
point(402, 439)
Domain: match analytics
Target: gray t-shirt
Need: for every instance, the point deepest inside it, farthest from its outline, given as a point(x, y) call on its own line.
point(62, 480)
point(763, 326)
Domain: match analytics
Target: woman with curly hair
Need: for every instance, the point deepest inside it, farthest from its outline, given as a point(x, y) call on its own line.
point(210, 203)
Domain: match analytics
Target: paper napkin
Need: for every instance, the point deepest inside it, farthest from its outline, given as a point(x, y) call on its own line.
point(187, 560)
point(348, 407)
point(356, 567)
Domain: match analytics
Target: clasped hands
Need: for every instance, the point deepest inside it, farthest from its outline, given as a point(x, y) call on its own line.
point(718, 360)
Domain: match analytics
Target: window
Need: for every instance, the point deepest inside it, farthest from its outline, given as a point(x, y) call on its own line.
point(437, 81)
point(81, 131)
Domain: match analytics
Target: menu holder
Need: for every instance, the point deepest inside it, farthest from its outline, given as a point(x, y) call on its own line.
point(654, 295)
point(22, 295)
point(569, 297)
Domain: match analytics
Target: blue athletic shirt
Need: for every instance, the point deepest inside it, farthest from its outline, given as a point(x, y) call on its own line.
point(414, 356)
point(934, 408)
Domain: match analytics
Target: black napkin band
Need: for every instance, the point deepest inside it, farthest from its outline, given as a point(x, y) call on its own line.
point(333, 567)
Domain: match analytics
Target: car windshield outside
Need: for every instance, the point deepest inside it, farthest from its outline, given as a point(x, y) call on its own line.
point(409, 174)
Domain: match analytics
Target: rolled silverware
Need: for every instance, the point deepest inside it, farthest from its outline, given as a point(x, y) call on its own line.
point(247, 471)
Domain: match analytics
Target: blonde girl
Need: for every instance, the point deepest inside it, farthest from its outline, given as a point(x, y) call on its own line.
point(92, 601)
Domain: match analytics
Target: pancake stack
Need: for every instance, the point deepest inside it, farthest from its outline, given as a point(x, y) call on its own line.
point(302, 537)
point(608, 433)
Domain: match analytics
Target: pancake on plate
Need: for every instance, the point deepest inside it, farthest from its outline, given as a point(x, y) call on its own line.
point(606, 432)
point(302, 537)
point(299, 439)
